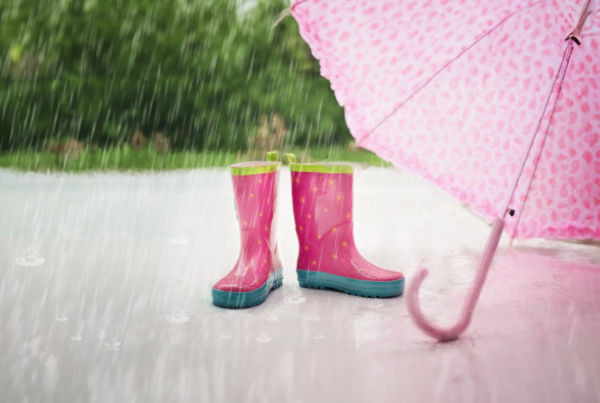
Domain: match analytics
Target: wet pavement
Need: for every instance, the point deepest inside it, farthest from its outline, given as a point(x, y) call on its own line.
point(105, 297)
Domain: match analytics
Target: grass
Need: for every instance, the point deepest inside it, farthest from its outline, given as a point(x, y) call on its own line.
point(126, 159)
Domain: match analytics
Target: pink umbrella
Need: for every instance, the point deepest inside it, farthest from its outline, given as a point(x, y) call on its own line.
point(486, 99)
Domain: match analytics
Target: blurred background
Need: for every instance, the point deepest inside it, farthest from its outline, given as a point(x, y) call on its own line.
point(160, 84)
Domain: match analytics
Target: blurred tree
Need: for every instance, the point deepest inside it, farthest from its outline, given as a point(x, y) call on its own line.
point(201, 72)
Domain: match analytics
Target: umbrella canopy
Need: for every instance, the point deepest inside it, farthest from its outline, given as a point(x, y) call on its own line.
point(454, 89)
point(484, 98)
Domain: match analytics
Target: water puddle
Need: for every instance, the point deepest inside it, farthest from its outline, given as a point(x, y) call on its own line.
point(263, 338)
point(33, 259)
point(179, 239)
point(295, 299)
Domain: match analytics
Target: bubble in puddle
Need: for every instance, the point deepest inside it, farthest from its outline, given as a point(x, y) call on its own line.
point(62, 318)
point(179, 317)
point(179, 239)
point(295, 299)
point(31, 260)
point(263, 338)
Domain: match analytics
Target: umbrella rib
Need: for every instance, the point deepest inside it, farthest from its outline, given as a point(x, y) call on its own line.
point(525, 157)
point(564, 65)
point(443, 67)
point(574, 36)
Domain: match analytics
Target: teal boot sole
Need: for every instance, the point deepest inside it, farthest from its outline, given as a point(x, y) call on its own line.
point(362, 288)
point(227, 299)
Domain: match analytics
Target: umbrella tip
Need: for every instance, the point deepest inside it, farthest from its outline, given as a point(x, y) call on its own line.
point(575, 34)
point(575, 39)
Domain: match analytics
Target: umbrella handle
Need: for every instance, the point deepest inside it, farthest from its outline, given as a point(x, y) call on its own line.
point(472, 296)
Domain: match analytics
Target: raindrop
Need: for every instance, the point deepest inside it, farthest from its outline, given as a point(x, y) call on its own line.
point(62, 318)
point(271, 318)
point(31, 260)
point(185, 278)
point(376, 304)
point(178, 317)
point(77, 337)
point(263, 338)
point(295, 299)
point(226, 336)
point(102, 334)
point(318, 336)
point(314, 318)
point(180, 239)
point(559, 277)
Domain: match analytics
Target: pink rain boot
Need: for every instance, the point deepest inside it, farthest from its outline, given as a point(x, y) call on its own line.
point(258, 269)
point(322, 198)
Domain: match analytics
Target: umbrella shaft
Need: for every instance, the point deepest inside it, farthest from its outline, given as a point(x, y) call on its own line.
point(560, 73)
point(484, 266)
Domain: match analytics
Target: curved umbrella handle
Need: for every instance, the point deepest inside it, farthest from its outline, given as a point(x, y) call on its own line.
point(452, 333)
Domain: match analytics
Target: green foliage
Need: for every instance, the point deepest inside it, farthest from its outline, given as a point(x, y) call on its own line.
point(126, 159)
point(200, 71)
